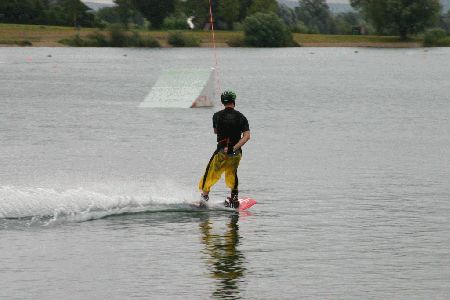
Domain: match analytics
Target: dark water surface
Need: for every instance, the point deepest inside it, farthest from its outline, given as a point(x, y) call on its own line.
point(349, 161)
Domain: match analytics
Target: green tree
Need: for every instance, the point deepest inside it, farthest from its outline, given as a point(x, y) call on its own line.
point(288, 15)
point(266, 30)
point(56, 15)
point(229, 11)
point(54, 12)
point(76, 12)
point(125, 11)
point(316, 15)
point(40, 8)
point(399, 16)
point(175, 22)
point(155, 10)
point(245, 5)
point(23, 12)
point(436, 37)
point(346, 21)
point(444, 22)
point(109, 15)
point(263, 6)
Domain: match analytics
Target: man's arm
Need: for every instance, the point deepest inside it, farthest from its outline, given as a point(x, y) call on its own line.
point(242, 141)
point(214, 119)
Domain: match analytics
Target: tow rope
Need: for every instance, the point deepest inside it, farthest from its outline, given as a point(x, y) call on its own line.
point(216, 65)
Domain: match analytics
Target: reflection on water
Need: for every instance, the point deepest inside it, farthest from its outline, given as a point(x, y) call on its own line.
point(225, 261)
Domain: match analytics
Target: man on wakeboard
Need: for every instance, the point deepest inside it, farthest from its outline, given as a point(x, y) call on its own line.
point(233, 132)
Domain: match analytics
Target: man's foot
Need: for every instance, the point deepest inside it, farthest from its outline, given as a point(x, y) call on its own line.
point(231, 202)
point(203, 200)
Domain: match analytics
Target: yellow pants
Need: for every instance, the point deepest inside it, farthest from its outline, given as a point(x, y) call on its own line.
point(220, 162)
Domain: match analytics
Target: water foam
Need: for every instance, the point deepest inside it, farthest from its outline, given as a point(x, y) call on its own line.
point(80, 204)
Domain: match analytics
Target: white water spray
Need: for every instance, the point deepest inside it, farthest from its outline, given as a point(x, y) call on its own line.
point(80, 204)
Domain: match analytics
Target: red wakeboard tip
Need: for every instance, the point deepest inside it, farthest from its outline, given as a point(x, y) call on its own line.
point(246, 202)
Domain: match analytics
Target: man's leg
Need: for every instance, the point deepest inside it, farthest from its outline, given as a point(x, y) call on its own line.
point(232, 180)
point(213, 172)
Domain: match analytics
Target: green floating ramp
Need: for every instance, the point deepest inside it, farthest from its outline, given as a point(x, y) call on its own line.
point(182, 88)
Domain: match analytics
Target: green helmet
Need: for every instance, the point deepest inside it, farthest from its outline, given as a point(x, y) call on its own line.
point(228, 97)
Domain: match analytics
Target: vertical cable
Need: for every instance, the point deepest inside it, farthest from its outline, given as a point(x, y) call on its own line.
point(216, 66)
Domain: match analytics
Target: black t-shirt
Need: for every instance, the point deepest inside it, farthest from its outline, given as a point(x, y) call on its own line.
point(230, 124)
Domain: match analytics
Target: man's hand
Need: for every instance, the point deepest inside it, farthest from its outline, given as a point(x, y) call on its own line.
point(242, 141)
point(228, 151)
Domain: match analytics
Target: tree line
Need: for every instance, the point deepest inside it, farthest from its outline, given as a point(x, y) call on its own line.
point(387, 17)
point(46, 12)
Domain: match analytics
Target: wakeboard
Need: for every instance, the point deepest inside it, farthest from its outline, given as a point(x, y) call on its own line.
point(244, 204)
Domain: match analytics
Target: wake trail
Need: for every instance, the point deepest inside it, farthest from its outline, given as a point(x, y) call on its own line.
point(50, 206)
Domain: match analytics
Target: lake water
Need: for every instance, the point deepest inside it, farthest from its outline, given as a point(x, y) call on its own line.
point(349, 161)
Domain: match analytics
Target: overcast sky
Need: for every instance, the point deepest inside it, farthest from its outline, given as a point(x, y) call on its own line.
point(111, 1)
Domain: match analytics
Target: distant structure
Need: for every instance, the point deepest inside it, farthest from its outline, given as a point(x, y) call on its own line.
point(190, 23)
point(358, 30)
point(97, 6)
point(182, 88)
point(336, 7)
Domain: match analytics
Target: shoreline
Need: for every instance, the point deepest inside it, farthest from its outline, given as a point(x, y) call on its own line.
point(18, 35)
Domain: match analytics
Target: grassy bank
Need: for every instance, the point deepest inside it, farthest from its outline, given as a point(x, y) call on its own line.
point(12, 34)
point(320, 40)
point(50, 36)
